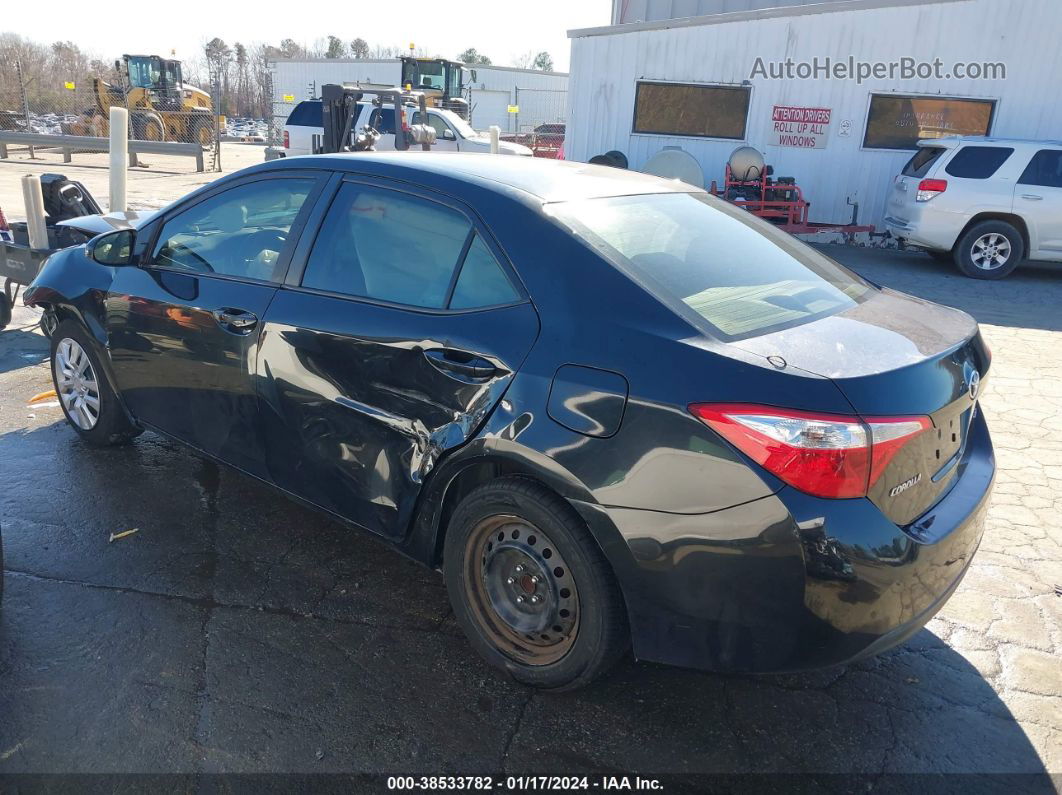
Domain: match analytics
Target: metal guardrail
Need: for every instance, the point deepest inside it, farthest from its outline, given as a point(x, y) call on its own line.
point(69, 143)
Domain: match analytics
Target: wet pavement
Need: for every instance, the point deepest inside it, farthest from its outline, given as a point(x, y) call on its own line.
point(239, 632)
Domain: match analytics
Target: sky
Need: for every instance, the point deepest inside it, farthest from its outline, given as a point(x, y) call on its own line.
point(502, 29)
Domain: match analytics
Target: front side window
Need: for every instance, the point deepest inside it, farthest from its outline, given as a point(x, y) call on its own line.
point(1045, 169)
point(401, 249)
point(436, 121)
point(730, 272)
point(691, 110)
point(238, 232)
point(978, 162)
point(900, 122)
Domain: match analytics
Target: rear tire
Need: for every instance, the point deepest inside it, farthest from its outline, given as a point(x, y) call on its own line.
point(530, 587)
point(989, 250)
point(85, 394)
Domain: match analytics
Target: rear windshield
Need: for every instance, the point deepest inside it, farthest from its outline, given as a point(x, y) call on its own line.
point(715, 264)
point(924, 158)
point(306, 114)
point(978, 162)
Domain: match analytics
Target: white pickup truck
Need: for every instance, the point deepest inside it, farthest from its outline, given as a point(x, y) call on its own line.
point(452, 133)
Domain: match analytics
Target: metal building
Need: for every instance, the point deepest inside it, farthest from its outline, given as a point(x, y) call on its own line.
point(538, 97)
point(704, 83)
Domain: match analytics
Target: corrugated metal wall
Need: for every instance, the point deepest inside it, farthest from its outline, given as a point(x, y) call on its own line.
point(299, 79)
point(651, 10)
point(1024, 35)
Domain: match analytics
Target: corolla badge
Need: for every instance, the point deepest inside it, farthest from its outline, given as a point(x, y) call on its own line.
point(906, 485)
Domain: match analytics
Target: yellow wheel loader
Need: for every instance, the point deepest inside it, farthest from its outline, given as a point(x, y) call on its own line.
point(442, 82)
point(162, 107)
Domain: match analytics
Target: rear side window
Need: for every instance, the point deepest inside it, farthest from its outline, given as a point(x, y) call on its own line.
point(923, 160)
point(482, 282)
point(727, 271)
point(400, 249)
point(306, 114)
point(1044, 169)
point(978, 162)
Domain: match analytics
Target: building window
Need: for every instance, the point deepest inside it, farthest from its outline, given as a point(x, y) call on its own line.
point(691, 110)
point(899, 122)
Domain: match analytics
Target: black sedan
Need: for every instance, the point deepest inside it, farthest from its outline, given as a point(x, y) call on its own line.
point(611, 408)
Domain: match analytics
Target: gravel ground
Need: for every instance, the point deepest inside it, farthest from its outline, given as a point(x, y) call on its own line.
point(238, 632)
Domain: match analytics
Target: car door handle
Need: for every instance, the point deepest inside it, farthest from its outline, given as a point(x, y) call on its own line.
point(461, 363)
point(235, 320)
point(1032, 197)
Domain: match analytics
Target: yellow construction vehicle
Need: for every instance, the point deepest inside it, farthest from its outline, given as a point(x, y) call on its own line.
point(442, 82)
point(162, 107)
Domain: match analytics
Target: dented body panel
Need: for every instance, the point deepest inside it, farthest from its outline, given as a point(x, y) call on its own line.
point(356, 409)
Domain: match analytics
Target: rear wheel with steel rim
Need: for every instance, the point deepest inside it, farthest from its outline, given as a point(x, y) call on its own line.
point(530, 587)
point(990, 250)
point(84, 393)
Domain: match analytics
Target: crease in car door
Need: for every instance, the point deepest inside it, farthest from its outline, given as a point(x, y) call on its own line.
point(183, 327)
point(367, 379)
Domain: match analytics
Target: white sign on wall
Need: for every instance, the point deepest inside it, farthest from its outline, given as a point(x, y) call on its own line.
point(802, 128)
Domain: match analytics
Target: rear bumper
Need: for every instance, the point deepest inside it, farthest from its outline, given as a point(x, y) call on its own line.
point(791, 582)
point(931, 229)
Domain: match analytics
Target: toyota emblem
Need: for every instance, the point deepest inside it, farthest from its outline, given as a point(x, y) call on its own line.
point(975, 384)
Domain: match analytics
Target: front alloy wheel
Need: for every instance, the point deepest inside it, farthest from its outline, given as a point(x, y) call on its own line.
point(86, 396)
point(76, 384)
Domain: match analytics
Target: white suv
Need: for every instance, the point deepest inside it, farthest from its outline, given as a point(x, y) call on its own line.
point(453, 134)
point(985, 203)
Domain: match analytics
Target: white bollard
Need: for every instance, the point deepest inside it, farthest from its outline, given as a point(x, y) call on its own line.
point(34, 200)
point(495, 133)
point(119, 158)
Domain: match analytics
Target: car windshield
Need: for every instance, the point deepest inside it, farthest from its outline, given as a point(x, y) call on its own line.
point(714, 263)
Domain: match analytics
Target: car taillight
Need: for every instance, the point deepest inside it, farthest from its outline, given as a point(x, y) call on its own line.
point(287, 140)
point(826, 455)
point(928, 188)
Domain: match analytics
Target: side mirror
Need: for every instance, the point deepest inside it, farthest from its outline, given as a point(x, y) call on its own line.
point(474, 78)
point(113, 248)
point(448, 135)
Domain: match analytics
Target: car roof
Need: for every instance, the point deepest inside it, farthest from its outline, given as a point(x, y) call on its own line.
point(548, 180)
point(952, 141)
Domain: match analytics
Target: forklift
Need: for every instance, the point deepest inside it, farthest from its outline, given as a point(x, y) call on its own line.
point(441, 81)
point(339, 109)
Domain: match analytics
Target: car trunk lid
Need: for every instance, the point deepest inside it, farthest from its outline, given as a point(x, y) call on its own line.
point(895, 355)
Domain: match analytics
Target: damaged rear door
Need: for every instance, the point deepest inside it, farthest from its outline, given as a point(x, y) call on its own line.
point(398, 330)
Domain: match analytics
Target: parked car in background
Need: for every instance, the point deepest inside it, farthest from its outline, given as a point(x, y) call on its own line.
point(453, 134)
point(984, 203)
point(610, 407)
point(546, 140)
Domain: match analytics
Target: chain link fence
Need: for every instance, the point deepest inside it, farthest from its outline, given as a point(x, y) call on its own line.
point(540, 119)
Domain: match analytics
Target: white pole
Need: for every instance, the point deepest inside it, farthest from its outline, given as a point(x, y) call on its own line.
point(34, 200)
point(495, 132)
point(119, 157)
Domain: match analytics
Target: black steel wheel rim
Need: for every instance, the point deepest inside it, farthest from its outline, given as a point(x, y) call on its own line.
point(521, 591)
